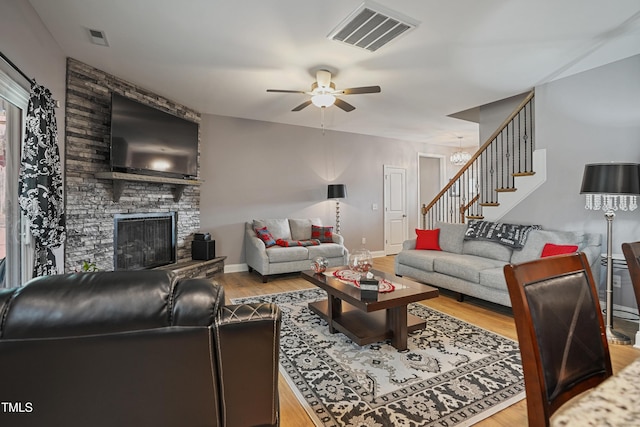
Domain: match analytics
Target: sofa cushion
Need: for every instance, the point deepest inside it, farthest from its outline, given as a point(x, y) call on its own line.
point(324, 234)
point(451, 236)
point(422, 260)
point(301, 228)
point(551, 250)
point(465, 267)
point(493, 278)
point(538, 238)
point(327, 250)
point(279, 254)
point(266, 237)
point(427, 239)
point(279, 228)
point(486, 249)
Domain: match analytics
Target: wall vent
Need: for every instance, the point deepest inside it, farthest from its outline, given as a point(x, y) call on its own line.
point(372, 26)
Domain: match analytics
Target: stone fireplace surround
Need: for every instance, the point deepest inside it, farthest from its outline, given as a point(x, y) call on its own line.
point(90, 208)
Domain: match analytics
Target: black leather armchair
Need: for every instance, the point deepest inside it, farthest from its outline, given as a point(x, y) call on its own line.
point(136, 349)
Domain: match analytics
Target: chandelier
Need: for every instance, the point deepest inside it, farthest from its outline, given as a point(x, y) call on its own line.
point(460, 157)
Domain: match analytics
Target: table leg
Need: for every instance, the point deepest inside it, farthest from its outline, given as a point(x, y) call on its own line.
point(334, 308)
point(397, 323)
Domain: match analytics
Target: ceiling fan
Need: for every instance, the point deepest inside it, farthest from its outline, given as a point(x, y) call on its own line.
point(324, 94)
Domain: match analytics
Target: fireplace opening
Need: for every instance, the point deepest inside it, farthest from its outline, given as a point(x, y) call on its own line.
point(144, 241)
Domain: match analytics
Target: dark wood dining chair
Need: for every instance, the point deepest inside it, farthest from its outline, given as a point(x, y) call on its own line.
point(631, 253)
point(561, 332)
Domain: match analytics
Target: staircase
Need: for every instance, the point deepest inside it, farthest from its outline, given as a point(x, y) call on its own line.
point(485, 187)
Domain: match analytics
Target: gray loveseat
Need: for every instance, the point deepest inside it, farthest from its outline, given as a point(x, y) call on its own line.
point(275, 259)
point(474, 267)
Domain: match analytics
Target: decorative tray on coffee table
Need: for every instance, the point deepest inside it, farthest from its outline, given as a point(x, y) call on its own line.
point(353, 277)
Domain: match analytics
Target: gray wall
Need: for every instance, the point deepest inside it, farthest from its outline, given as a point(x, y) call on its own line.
point(590, 117)
point(256, 169)
point(28, 44)
point(430, 184)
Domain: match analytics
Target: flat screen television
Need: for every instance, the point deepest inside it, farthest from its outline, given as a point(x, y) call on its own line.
point(148, 141)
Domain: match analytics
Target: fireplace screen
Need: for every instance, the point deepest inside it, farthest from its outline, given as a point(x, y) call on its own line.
point(143, 241)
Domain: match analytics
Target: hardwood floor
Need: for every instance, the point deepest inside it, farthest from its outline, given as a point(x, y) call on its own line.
point(494, 318)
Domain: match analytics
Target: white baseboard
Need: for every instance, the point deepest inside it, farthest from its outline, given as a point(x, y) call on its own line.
point(236, 268)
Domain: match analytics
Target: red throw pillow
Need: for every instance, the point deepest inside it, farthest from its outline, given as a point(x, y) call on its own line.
point(428, 239)
point(550, 250)
point(324, 234)
point(265, 236)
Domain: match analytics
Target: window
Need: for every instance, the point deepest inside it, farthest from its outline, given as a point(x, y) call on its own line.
point(15, 268)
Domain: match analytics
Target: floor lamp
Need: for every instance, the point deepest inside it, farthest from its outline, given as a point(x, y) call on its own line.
point(337, 192)
point(611, 187)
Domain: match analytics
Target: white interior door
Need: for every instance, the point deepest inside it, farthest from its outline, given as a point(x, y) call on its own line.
point(395, 209)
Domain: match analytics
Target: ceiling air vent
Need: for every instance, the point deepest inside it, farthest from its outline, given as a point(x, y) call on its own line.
point(98, 37)
point(371, 26)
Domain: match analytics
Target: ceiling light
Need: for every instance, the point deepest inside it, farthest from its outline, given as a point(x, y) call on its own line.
point(323, 100)
point(460, 157)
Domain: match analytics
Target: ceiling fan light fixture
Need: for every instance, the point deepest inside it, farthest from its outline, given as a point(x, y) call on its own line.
point(323, 100)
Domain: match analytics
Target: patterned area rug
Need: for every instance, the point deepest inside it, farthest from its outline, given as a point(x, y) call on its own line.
point(452, 374)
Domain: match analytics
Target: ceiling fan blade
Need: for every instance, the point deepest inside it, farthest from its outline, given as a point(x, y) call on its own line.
point(357, 90)
point(285, 91)
point(303, 105)
point(344, 105)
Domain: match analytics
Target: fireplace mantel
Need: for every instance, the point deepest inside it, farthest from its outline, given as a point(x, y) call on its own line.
point(119, 178)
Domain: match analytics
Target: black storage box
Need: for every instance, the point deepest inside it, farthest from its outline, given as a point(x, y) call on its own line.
point(203, 249)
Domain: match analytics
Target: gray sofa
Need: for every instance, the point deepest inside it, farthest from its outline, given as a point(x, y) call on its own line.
point(268, 261)
point(474, 267)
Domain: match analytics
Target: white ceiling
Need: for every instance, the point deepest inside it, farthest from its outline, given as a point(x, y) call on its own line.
point(220, 56)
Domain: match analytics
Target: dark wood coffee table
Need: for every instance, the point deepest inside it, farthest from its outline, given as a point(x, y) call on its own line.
point(364, 320)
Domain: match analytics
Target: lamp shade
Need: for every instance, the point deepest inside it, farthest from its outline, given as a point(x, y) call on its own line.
point(611, 178)
point(336, 191)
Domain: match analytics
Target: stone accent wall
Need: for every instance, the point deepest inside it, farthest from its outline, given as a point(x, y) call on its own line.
point(89, 201)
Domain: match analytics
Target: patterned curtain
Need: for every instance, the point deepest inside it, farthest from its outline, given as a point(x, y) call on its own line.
point(41, 180)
